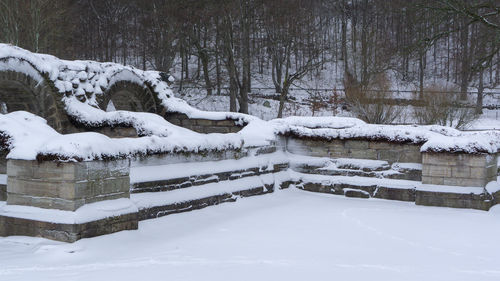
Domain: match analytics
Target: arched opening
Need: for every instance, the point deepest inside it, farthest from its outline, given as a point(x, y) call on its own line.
point(126, 95)
point(19, 91)
point(15, 96)
point(124, 100)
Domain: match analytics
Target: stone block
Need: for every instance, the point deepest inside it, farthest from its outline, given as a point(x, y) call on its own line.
point(363, 154)
point(3, 192)
point(465, 182)
point(225, 123)
point(41, 188)
point(44, 202)
point(475, 173)
point(67, 232)
point(204, 122)
point(411, 154)
point(437, 171)
point(188, 122)
point(66, 186)
point(390, 156)
point(357, 144)
point(106, 169)
point(454, 200)
point(318, 151)
point(234, 129)
point(467, 172)
point(356, 193)
point(381, 145)
point(215, 129)
point(432, 180)
point(395, 194)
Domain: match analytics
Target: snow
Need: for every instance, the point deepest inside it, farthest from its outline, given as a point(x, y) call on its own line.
point(86, 213)
point(360, 163)
point(153, 199)
point(82, 83)
point(466, 144)
point(355, 180)
point(29, 136)
point(288, 235)
point(493, 186)
point(179, 170)
point(89, 80)
point(3, 179)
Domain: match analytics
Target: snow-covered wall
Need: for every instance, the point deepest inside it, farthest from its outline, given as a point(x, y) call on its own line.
point(86, 87)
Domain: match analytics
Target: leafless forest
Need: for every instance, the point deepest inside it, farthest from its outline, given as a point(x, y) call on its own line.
point(221, 43)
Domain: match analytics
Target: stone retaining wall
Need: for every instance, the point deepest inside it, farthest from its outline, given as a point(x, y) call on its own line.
point(362, 149)
point(66, 186)
point(459, 169)
point(67, 232)
point(203, 125)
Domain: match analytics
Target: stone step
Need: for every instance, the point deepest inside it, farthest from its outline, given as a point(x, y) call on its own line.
point(158, 204)
point(402, 171)
point(170, 184)
point(354, 186)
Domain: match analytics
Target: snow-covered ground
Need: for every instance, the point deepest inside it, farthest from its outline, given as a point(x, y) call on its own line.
point(288, 235)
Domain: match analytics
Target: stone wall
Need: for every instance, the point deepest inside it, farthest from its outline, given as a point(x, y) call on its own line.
point(459, 169)
point(112, 132)
point(203, 125)
point(67, 232)
point(362, 149)
point(66, 186)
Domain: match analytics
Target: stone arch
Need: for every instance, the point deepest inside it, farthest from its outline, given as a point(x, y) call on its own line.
point(129, 94)
point(20, 91)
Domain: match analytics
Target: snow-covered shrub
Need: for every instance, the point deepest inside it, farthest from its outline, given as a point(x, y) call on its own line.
point(442, 106)
point(368, 102)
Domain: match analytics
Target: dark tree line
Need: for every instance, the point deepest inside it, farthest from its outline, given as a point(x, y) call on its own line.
point(222, 43)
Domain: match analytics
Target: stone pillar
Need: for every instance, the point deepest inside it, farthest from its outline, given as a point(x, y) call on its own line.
point(458, 169)
point(59, 189)
point(66, 185)
point(467, 174)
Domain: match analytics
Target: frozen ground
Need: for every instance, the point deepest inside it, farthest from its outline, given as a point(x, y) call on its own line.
point(289, 235)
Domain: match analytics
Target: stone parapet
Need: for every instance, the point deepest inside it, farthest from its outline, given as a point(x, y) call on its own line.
point(362, 149)
point(203, 125)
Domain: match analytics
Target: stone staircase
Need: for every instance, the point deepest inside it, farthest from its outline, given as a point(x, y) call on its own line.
point(358, 167)
point(357, 177)
point(174, 188)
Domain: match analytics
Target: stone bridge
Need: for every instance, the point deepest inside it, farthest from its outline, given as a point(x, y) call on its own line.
point(39, 83)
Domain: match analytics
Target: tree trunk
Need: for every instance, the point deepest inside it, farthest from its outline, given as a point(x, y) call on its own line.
point(421, 75)
point(480, 90)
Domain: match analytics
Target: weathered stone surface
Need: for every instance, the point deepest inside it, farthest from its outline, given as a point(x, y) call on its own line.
point(454, 200)
point(3, 192)
point(362, 149)
point(66, 186)
point(205, 126)
point(67, 232)
point(356, 193)
point(160, 211)
point(116, 132)
point(399, 194)
point(458, 169)
point(21, 92)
